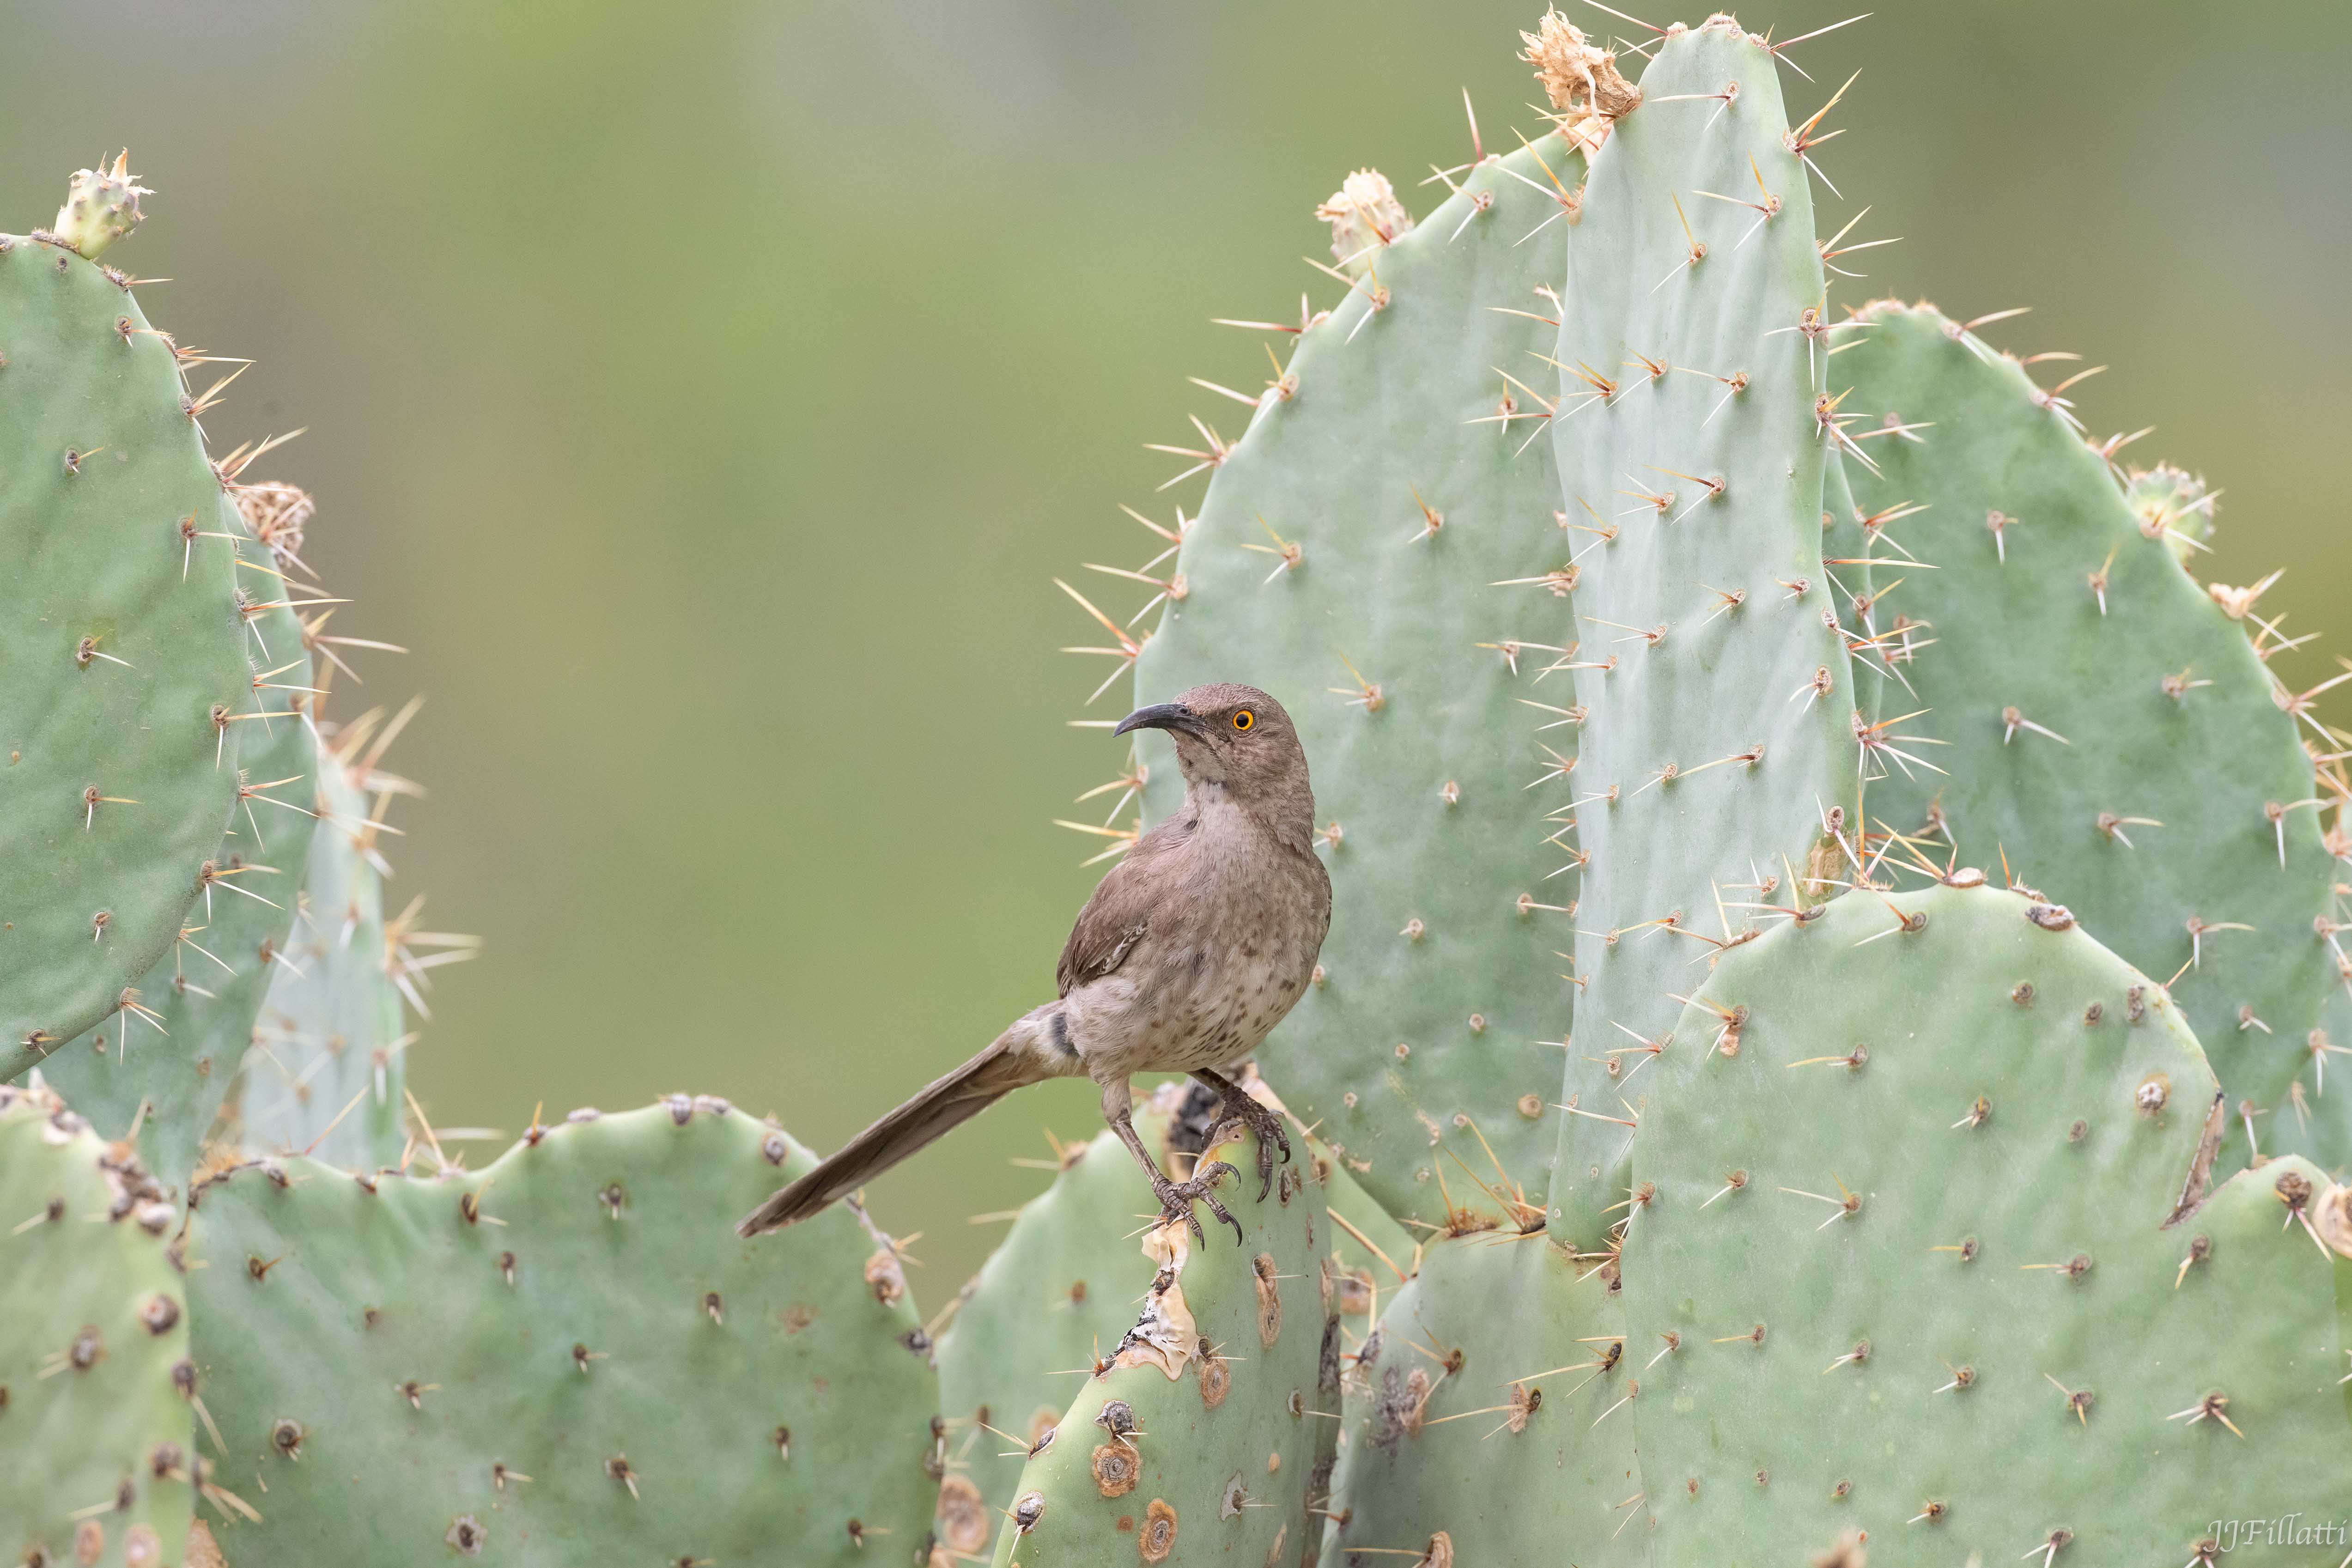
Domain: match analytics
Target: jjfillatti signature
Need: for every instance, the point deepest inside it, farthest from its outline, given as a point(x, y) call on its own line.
point(2285, 1529)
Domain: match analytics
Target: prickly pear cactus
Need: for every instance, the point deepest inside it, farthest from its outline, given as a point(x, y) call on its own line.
point(326, 1072)
point(1917, 1221)
point(1720, 708)
point(1209, 1436)
point(1498, 1378)
point(1053, 1300)
point(94, 1374)
point(1384, 550)
point(2107, 726)
point(564, 1353)
point(121, 632)
point(1059, 1294)
point(166, 1066)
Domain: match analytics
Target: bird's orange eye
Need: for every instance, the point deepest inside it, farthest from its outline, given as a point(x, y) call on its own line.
point(1245, 718)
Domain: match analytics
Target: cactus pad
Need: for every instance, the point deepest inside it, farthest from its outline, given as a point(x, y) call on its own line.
point(391, 1357)
point(1060, 1293)
point(329, 1048)
point(1499, 1377)
point(1054, 1295)
point(94, 1450)
point(1910, 1207)
point(1210, 1436)
point(2107, 726)
point(121, 634)
point(206, 993)
point(1721, 710)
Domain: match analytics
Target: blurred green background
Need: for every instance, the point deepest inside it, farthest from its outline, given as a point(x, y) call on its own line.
point(708, 393)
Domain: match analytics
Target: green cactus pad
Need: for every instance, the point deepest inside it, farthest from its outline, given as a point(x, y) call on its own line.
point(1491, 1413)
point(387, 1358)
point(2101, 749)
point(95, 1449)
point(1211, 1437)
point(1718, 732)
point(123, 648)
point(1402, 456)
point(1058, 1294)
point(206, 993)
point(331, 1041)
point(1909, 1188)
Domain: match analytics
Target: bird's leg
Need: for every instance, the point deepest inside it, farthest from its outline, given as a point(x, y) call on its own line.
point(1176, 1198)
point(1239, 1107)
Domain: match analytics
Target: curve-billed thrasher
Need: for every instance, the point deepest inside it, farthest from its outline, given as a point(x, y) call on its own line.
point(1195, 945)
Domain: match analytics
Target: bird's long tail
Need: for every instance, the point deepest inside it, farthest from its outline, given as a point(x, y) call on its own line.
point(1009, 1063)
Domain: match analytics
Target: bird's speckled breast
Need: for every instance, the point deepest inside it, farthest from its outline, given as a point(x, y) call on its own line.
point(1230, 951)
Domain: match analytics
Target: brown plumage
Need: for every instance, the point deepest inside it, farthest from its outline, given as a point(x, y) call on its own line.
point(1193, 947)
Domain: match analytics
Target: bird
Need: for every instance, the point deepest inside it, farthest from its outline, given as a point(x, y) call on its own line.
point(1196, 944)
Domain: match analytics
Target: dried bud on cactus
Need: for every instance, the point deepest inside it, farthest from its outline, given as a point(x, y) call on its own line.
point(277, 513)
point(1579, 77)
point(1365, 215)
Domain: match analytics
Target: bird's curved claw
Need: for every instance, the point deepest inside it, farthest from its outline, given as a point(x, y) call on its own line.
point(1271, 1136)
point(1177, 1198)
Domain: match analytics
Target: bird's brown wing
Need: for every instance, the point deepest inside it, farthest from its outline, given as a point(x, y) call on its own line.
point(1119, 914)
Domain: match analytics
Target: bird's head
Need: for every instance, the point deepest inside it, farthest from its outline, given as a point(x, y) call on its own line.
point(1235, 739)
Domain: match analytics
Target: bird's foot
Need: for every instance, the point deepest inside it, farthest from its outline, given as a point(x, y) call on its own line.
point(1267, 1124)
point(1177, 1198)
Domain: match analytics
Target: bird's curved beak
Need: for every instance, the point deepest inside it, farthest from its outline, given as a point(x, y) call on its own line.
point(1163, 716)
